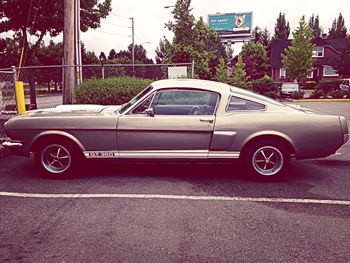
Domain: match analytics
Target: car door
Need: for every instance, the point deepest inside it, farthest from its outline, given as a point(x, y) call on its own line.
point(179, 124)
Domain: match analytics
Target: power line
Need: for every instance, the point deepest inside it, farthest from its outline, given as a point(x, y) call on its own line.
point(113, 14)
point(115, 24)
point(111, 33)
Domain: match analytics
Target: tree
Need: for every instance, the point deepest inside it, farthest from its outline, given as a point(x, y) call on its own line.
point(282, 29)
point(262, 36)
point(314, 24)
point(222, 74)
point(338, 29)
point(111, 54)
point(255, 58)
point(342, 64)
point(40, 17)
point(9, 53)
point(240, 78)
point(140, 54)
point(49, 55)
point(193, 40)
point(297, 58)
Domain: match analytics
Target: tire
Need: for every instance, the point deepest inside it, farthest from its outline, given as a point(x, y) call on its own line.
point(57, 159)
point(266, 159)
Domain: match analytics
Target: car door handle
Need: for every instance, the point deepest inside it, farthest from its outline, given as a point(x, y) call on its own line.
point(207, 120)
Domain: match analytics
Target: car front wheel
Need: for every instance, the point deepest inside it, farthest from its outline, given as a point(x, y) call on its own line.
point(56, 159)
point(267, 159)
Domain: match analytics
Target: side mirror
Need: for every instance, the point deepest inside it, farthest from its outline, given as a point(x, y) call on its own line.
point(149, 112)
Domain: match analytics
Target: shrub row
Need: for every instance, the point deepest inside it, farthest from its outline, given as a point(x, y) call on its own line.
point(328, 88)
point(114, 91)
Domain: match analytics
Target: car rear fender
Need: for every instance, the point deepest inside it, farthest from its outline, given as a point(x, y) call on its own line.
point(271, 135)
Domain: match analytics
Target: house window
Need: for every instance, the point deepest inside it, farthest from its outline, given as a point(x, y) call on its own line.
point(282, 73)
point(310, 75)
point(318, 52)
point(329, 71)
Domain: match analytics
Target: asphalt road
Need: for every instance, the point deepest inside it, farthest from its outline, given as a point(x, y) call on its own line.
point(161, 219)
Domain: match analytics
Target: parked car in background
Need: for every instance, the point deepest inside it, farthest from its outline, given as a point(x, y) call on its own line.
point(289, 88)
point(182, 120)
point(344, 86)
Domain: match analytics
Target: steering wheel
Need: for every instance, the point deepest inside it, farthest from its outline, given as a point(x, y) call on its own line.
point(194, 110)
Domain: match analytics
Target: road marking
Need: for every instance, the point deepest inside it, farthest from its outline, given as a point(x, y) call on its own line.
point(177, 197)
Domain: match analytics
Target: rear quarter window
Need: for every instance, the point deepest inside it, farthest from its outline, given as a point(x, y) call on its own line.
point(239, 104)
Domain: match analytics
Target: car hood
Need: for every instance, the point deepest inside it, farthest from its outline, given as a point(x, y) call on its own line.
point(75, 110)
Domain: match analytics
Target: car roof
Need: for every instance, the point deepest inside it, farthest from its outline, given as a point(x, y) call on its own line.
point(193, 83)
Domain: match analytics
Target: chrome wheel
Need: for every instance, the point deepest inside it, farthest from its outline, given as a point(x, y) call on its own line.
point(55, 158)
point(268, 160)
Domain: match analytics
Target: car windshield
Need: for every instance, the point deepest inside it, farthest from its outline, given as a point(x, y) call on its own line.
point(135, 99)
point(256, 96)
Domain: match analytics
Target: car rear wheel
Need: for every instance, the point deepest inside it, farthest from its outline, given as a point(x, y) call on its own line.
point(56, 159)
point(266, 159)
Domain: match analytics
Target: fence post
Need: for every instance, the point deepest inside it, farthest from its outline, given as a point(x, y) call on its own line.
point(14, 75)
point(21, 106)
point(192, 69)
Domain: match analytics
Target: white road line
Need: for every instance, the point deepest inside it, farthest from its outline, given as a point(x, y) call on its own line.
point(176, 197)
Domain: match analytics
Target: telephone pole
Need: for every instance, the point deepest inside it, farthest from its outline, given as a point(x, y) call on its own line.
point(68, 50)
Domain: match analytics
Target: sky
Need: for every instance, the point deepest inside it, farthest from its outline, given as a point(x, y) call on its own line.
point(150, 17)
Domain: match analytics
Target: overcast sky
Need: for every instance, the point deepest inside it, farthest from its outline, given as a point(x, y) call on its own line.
point(151, 15)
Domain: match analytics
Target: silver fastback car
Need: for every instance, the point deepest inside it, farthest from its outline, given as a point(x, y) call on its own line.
point(182, 120)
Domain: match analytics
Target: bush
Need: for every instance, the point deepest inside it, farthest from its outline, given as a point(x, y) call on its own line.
point(297, 95)
point(328, 85)
point(317, 93)
point(114, 91)
point(310, 85)
point(266, 86)
point(337, 94)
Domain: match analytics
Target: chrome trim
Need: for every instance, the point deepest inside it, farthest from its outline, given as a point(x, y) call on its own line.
point(162, 154)
point(225, 133)
point(197, 154)
point(223, 154)
point(10, 144)
point(101, 154)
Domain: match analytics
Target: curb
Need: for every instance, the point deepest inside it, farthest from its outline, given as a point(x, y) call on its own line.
point(322, 100)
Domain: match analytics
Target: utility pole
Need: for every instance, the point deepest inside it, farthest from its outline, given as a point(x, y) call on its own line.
point(78, 62)
point(133, 45)
point(68, 50)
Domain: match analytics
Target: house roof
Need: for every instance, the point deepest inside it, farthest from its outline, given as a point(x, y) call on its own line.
point(278, 47)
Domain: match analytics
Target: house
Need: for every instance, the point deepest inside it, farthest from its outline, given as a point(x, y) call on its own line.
point(324, 52)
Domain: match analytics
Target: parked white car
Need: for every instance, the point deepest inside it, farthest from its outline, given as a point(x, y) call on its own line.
point(288, 88)
point(344, 86)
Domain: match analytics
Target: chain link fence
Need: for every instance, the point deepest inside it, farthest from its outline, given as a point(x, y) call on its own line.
point(43, 85)
point(7, 97)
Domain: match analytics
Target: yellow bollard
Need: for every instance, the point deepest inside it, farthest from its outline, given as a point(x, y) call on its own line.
point(21, 105)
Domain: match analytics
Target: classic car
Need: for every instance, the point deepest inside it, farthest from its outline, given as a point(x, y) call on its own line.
point(178, 120)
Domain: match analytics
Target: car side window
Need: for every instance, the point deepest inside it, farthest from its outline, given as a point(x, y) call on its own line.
point(184, 102)
point(144, 105)
point(239, 104)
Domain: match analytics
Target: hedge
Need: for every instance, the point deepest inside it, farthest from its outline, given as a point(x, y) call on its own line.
point(266, 86)
point(113, 91)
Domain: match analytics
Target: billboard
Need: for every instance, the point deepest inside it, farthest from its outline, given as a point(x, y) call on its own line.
point(232, 24)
